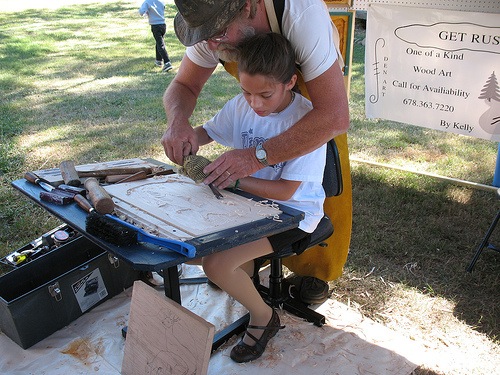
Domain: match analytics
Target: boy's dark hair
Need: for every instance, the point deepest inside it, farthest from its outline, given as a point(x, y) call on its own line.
point(268, 54)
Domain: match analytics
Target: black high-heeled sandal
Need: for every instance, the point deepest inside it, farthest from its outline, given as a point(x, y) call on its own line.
point(242, 352)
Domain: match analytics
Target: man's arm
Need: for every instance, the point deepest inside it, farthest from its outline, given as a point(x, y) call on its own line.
point(179, 102)
point(328, 118)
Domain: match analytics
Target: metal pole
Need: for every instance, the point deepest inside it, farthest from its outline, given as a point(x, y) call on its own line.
point(496, 176)
point(444, 178)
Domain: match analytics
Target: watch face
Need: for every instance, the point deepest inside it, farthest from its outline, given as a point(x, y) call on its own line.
point(261, 154)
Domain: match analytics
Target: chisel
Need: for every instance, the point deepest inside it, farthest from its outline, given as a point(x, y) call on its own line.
point(34, 179)
point(51, 193)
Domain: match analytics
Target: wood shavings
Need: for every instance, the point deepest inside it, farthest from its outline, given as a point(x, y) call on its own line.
point(277, 218)
point(267, 203)
point(273, 205)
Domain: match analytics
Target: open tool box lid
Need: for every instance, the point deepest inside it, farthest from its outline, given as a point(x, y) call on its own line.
point(49, 292)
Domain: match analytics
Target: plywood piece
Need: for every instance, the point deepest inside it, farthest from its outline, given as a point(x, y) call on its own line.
point(164, 337)
point(192, 208)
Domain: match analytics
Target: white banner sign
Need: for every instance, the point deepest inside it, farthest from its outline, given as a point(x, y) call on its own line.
point(434, 68)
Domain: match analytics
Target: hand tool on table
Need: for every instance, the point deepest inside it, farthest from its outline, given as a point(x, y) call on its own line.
point(103, 173)
point(193, 168)
point(69, 173)
point(141, 175)
point(114, 230)
point(99, 197)
point(119, 178)
point(63, 194)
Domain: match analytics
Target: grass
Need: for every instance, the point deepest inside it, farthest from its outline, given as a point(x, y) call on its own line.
point(79, 82)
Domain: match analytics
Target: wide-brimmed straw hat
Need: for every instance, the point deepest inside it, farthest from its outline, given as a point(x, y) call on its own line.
point(199, 20)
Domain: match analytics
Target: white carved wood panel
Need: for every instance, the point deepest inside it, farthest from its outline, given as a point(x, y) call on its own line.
point(177, 206)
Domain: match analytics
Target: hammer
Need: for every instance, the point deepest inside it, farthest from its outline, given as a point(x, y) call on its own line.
point(69, 173)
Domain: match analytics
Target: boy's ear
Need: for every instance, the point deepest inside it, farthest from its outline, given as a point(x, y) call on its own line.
point(290, 85)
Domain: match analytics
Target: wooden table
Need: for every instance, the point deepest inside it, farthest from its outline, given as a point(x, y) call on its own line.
point(147, 257)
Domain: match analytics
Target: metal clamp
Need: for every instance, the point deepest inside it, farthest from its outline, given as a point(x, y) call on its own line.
point(55, 291)
point(114, 260)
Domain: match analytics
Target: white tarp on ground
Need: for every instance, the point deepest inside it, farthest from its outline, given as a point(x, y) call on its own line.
point(348, 344)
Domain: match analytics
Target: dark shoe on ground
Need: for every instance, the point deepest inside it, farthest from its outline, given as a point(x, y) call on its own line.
point(158, 62)
point(242, 352)
point(313, 291)
point(167, 67)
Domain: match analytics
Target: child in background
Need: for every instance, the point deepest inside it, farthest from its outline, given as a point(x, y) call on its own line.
point(155, 10)
point(266, 107)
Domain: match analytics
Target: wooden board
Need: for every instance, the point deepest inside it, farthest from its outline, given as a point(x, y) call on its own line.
point(53, 175)
point(163, 337)
point(187, 207)
point(147, 222)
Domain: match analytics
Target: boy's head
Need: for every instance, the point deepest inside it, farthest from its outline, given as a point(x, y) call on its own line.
point(269, 55)
point(266, 66)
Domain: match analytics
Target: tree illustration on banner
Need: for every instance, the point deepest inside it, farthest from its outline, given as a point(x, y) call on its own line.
point(490, 119)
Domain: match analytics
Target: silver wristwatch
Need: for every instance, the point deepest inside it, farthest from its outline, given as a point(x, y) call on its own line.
point(261, 154)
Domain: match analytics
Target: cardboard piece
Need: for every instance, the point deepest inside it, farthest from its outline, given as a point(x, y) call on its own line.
point(164, 337)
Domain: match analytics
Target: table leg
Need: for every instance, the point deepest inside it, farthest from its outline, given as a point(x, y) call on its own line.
point(171, 282)
point(485, 243)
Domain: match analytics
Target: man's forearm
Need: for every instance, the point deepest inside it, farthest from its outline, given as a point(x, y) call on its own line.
point(179, 103)
point(179, 138)
point(312, 131)
point(328, 118)
point(179, 100)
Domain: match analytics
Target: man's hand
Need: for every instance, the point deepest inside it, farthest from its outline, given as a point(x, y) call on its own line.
point(179, 141)
point(231, 166)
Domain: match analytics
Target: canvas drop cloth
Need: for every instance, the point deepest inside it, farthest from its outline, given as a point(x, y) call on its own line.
point(347, 344)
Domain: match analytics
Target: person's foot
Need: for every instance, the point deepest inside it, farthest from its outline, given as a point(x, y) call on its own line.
point(313, 291)
point(242, 352)
point(167, 67)
point(158, 62)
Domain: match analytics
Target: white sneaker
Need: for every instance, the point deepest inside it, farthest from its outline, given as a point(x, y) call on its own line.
point(167, 67)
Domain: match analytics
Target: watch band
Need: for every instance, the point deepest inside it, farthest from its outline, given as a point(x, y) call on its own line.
point(261, 155)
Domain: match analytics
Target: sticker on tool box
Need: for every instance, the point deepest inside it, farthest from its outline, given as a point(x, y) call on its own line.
point(89, 290)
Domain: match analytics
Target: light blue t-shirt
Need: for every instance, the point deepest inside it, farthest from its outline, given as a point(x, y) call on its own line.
point(155, 9)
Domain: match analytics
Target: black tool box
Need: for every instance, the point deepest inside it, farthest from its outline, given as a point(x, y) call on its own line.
point(54, 280)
